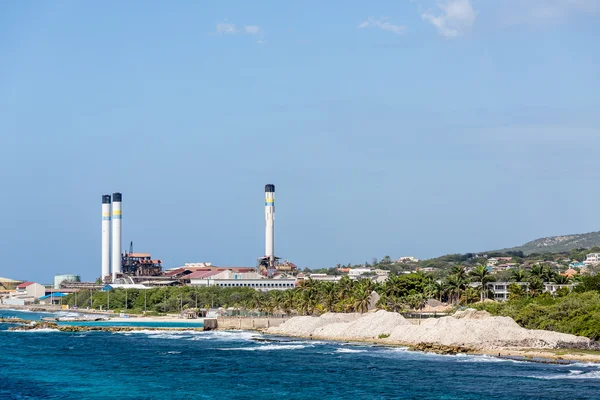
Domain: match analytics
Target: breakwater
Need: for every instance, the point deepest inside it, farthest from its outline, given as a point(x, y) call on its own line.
point(249, 323)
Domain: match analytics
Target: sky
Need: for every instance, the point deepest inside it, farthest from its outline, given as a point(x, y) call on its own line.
point(391, 127)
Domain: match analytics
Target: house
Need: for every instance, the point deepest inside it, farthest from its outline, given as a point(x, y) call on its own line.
point(569, 273)
point(381, 272)
point(356, 272)
point(407, 259)
point(592, 258)
point(500, 290)
point(492, 261)
point(576, 264)
point(30, 289)
point(553, 287)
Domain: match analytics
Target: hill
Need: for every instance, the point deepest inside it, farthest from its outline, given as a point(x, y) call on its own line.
point(558, 244)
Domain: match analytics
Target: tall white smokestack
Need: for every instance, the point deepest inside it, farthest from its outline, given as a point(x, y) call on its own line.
point(270, 224)
point(105, 236)
point(116, 234)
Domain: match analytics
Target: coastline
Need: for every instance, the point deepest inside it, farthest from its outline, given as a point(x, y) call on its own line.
point(549, 355)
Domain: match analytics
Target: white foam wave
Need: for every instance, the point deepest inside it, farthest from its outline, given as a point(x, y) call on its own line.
point(268, 347)
point(235, 335)
point(349, 351)
point(45, 330)
point(168, 336)
point(573, 374)
point(486, 359)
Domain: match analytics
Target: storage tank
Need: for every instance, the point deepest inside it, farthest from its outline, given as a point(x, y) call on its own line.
point(58, 279)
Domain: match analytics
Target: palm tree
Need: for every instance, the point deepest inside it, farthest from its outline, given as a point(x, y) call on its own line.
point(561, 279)
point(362, 295)
point(547, 274)
point(536, 286)
point(454, 284)
point(415, 301)
point(537, 271)
point(481, 275)
point(434, 289)
point(517, 275)
point(460, 271)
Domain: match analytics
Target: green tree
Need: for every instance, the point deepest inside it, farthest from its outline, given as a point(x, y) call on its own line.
point(482, 276)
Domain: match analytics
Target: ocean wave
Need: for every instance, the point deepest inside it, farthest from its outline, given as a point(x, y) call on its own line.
point(268, 347)
point(468, 358)
point(234, 335)
point(573, 374)
point(349, 351)
point(45, 330)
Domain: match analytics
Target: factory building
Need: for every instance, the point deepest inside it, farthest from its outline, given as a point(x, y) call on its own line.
point(59, 280)
point(240, 278)
point(115, 263)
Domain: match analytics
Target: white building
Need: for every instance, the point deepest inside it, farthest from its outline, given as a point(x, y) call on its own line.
point(30, 289)
point(230, 278)
point(324, 277)
point(592, 258)
point(407, 259)
point(381, 272)
point(356, 272)
point(500, 290)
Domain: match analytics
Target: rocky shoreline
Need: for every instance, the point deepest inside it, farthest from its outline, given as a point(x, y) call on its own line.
point(24, 325)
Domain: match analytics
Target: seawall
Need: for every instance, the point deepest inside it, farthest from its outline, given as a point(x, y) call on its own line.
point(249, 323)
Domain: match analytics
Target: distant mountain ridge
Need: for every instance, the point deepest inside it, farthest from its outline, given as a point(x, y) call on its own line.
point(557, 244)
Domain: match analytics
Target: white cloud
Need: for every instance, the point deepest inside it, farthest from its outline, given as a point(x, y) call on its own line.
point(228, 28)
point(252, 29)
point(383, 24)
point(457, 18)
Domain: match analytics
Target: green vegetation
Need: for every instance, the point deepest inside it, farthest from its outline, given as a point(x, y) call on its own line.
point(575, 313)
point(384, 335)
point(161, 300)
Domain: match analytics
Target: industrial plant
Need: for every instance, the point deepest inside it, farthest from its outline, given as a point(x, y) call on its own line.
point(130, 268)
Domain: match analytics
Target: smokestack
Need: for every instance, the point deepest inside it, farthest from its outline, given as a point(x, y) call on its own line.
point(270, 224)
point(105, 236)
point(116, 234)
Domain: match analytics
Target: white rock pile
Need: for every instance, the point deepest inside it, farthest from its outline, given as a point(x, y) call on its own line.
point(469, 328)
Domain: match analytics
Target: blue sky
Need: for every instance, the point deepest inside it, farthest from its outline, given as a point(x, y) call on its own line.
point(388, 127)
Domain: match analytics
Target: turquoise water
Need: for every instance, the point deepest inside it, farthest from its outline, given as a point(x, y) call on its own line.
point(138, 324)
point(241, 365)
point(133, 323)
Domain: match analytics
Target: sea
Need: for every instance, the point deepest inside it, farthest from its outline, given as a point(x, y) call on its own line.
point(149, 364)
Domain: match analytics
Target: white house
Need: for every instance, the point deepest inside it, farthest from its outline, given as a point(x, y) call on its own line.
point(356, 272)
point(407, 259)
point(592, 258)
point(30, 289)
